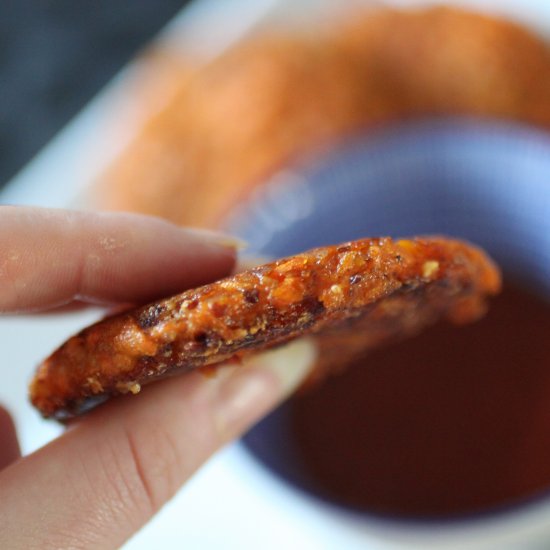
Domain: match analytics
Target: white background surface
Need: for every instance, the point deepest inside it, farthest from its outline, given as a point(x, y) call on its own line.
point(232, 502)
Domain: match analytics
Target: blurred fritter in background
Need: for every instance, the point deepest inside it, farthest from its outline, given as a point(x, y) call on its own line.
point(287, 93)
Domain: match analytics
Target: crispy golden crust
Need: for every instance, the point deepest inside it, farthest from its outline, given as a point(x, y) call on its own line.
point(351, 297)
point(276, 98)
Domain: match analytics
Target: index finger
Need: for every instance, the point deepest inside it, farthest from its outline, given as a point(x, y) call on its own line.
point(50, 257)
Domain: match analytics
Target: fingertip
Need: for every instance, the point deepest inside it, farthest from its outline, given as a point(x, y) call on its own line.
point(55, 256)
point(217, 238)
point(139, 258)
point(262, 382)
point(291, 364)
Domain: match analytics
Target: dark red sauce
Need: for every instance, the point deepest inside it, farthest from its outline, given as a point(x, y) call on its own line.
point(454, 421)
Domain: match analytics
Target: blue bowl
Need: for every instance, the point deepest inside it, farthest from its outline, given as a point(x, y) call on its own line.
point(488, 183)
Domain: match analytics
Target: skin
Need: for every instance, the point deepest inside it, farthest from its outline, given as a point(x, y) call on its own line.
point(111, 471)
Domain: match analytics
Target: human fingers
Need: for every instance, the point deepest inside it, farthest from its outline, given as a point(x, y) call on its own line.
point(9, 446)
point(109, 473)
point(50, 257)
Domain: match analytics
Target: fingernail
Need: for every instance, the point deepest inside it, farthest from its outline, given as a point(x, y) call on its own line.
point(250, 262)
point(249, 391)
point(218, 238)
point(290, 363)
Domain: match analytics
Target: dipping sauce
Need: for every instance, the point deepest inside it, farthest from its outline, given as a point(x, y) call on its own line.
point(451, 422)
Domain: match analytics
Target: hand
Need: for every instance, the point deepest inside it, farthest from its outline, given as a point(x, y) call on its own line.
point(105, 477)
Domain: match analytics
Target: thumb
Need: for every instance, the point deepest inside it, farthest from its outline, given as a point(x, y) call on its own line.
point(109, 473)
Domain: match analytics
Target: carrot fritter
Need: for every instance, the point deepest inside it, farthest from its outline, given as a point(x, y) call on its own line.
point(351, 298)
point(287, 95)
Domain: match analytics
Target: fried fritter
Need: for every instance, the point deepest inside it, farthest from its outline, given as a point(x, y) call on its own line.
point(351, 298)
point(274, 99)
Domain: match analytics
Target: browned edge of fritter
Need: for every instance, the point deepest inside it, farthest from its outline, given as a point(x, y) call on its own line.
point(377, 286)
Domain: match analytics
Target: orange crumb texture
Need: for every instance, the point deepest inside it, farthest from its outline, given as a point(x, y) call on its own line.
point(351, 298)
